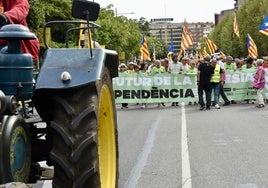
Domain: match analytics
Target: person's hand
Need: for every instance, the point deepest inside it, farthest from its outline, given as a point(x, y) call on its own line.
point(3, 20)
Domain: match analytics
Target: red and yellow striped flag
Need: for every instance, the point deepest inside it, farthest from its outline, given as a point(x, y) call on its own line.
point(211, 46)
point(235, 27)
point(145, 55)
point(252, 48)
point(186, 39)
point(204, 53)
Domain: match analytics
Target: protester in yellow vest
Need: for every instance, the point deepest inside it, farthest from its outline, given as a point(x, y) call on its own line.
point(215, 82)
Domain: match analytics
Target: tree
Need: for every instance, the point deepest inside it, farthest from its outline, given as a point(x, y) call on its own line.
point(249, 18)
point(43, 11)
point(118, 33)
point(144, 26)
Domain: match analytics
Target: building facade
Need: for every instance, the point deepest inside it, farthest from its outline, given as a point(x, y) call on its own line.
point(172, 32)
point(164, 29)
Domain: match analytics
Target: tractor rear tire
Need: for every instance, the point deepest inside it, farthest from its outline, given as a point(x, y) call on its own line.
point(84, 136)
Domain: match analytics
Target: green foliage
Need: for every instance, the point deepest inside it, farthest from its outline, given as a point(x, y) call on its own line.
point(249, 18)
point(36, 16)
point(118, 33)
point(144, 26)
point(124, 35)
point(42, 11)
point(161, 49)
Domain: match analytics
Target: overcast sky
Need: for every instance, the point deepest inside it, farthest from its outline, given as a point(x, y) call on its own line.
point(191, 10)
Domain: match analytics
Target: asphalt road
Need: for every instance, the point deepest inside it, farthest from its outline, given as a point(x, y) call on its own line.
point(183, 147)
point(173, 147)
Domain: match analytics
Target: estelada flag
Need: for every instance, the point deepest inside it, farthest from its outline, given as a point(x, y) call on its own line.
point(264, 26)
point(252, 48)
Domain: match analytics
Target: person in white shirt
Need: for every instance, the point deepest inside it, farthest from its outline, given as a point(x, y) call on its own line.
point(175, 66)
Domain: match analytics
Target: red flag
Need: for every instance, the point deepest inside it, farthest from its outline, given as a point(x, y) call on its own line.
point(145, 55)
point(186, 39)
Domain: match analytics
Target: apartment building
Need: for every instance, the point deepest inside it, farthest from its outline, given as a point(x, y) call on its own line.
point(172, 32)
point(168, 31)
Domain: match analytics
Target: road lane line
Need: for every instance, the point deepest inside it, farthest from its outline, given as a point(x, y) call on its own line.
point(136, 171)
point(186, 170)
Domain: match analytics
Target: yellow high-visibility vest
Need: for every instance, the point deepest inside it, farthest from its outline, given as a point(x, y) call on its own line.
point(216, 76)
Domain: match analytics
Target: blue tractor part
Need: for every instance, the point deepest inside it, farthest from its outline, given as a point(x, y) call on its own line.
point(16, 68)
point(15, 149)
point(16, 82)
point(74, 124)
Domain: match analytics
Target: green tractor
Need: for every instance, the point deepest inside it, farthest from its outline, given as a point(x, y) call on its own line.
point(71, 124)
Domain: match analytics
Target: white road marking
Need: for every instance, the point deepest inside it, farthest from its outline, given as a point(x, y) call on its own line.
point(136, 171)
point(186, 170)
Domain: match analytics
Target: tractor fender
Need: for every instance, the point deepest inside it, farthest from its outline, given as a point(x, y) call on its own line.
point(78, 64)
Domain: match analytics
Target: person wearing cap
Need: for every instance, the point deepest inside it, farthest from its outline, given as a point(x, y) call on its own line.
point(131, 67)
point(204, 73)
point(259, 82)
point(122, 68)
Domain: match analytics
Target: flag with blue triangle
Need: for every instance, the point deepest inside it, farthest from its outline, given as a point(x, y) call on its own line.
point(264, 26)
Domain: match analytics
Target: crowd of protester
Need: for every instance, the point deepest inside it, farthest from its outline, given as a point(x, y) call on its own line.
point(210, 73)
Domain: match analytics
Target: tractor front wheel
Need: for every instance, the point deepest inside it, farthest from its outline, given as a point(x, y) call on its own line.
point(15, 149)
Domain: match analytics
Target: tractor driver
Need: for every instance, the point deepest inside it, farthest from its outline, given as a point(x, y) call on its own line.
point(15, 12)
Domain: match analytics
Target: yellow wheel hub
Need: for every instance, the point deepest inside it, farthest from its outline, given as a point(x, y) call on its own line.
point(107, 140)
